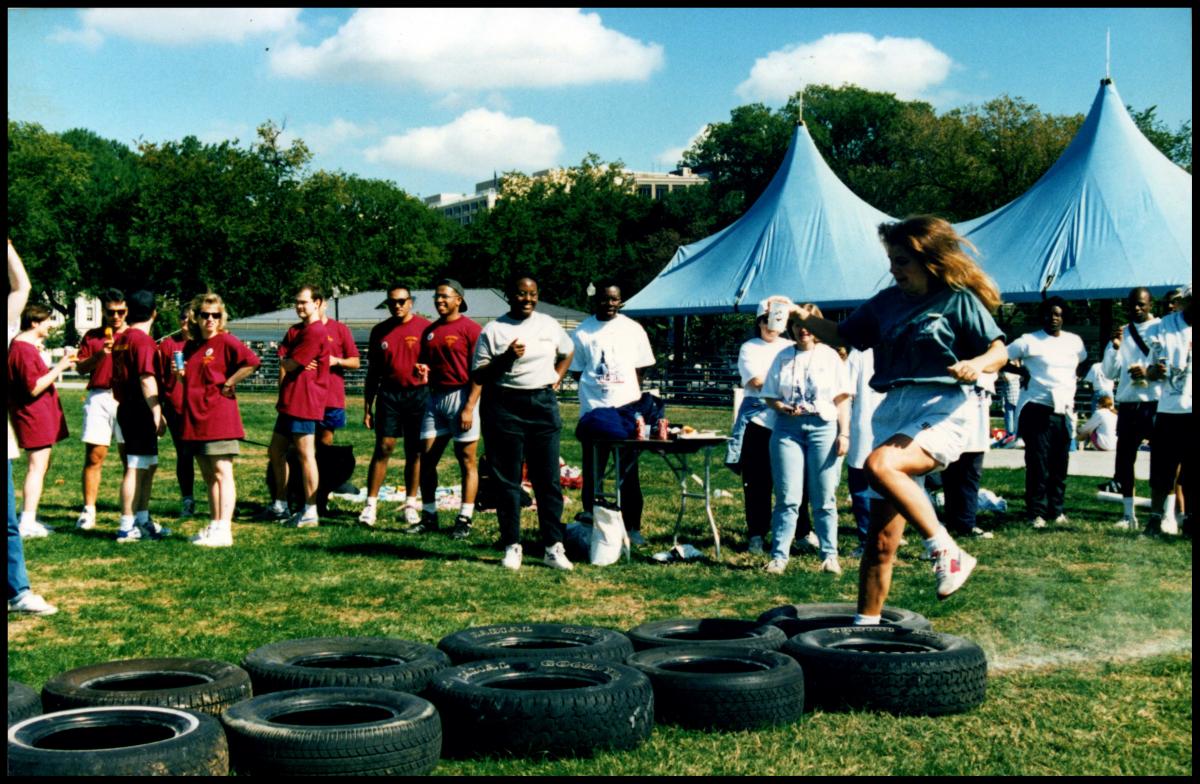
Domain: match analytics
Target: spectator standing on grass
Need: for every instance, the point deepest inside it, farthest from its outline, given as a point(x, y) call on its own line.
point(1174, 452)
point(750, 442)
point(1008, 387)
point(343, 356)
point(1126, 358)
point(21, 599)
point(611, 352)
point(215, 362)
point(520, 362)
point(1100, 430)
point(960, 480)
point(171, 394)
point(100, 407)
point(139, 413)
point(933, 335)
point(808, 387)
point(1051, 356)
point(394, 400)
point(303, 390)
point(451, 411)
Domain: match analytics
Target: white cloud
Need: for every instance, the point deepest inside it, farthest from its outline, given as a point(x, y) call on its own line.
point(672, 155)
point(179, 26)
point(477, 49)
point(908, 67)
point(475, 144)
point(322, 139)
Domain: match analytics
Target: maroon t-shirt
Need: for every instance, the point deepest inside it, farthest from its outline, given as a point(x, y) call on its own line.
point(302, 392)
point(37, 421)
point(447, 347)
point(207, 414)
point(93, 343)
point(393, 351)
point(133, 357)
point(341, 345)
point(169, 388)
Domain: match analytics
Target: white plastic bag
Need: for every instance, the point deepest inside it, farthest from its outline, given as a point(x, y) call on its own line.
point(609, 539)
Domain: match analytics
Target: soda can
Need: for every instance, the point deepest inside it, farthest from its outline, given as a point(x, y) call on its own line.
point(108, 333)
point(643, 431)
point(178, 361)
point(662, 429)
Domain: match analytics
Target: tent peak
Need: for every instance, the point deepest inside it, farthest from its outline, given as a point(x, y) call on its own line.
point(1106, 81)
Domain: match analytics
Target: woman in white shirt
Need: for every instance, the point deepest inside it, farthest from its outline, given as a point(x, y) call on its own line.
point(1101, 428)
point(808, 387)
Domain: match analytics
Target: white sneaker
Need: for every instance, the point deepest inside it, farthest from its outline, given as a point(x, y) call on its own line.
point(412, 515)
point(34, 530)
point(512, 557)
point(755, 547)
point(952, 567)
point(809, 544)
point(86, 521)
point(1038, 522)
point(188, 507)
point(1126, 524)
point(298, 520)
point(1170, 526)
point(1061, 520)
point(831, 565)
point(31, 603)
point(556, 557)
point(367, 516)
point(132, 535)
point(211, 536)
point(776, 566)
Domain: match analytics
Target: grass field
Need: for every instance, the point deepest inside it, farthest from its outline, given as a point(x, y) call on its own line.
point(1088, 631)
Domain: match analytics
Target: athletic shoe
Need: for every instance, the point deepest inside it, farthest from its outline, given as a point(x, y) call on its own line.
point(636, 538)
point(556, 557)
point(512, 557)
point(462, 527)
point(427, 523)
point(34, 530)
point(952, 566)
point(275, 514)
point(1126, 524)
point(210, 536)
point(298, 520)
point(1061, 520)
point(1153, 527)
point(979, 533)
point(809, 544)
point(31, 604)
point(412, 515)
point(776, 566)
point(1170, 526)
point(1038, 522)
point(86, 521)
point(367, 516)
point(132, 535)
point(1111, 486)
point(831, 565)
point(153, 531)
point(188, 507)
point(756, 545)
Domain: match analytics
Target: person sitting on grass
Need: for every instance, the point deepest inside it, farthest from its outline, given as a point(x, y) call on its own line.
point(1101, 428)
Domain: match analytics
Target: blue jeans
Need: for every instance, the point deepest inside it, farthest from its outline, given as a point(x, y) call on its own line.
point(18, 578)
point(1010, 417)
point(804, 447)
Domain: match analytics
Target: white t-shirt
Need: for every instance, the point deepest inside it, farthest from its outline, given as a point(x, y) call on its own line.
point(545, 341)
point(1102, 427)
point(861, 366)
point(607, 356)
point(1051, 362)
point(1101, 383)
point(1171, 340)
point(1117, 362)
point(811, 379)
point(979, 434)
point(754, 360)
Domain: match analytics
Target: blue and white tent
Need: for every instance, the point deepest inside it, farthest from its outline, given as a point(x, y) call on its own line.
point(807, 237)
point(1112, 213)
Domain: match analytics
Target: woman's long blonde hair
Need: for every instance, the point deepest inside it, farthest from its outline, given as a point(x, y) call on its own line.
point(198, 302)
point(940, 249)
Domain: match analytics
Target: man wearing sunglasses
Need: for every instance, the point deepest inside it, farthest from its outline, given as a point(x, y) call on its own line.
point(394, 401)
point(100, 407)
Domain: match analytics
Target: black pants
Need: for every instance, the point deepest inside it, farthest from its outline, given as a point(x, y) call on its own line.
point(1047, 438)
point(1135, 423)
point(1174, 451)
point(521, 426)
point(960, 483)
point(758, 487)
point(631, 484)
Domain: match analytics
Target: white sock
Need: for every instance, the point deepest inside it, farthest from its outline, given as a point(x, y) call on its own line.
point(90, 510)
point(430, 508)
point(222, 526)
point(142, 516)
point(412, 501)
point(126, 523)
point(939, 541)
point(279, 504)
point(1129, 513)
point(372, 501)
point(466, 510)
point(1169, 508)
point(28, 517)
point(310, 510)
point(867, 620)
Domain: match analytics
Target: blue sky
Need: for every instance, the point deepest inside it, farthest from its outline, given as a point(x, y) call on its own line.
point(437, 100)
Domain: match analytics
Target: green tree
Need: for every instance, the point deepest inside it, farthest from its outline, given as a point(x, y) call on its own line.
point(1176, 145)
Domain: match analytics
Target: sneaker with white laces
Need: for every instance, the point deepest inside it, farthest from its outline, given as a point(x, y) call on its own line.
point(367, 516)
point(556, 557)
point(831, 565)
point(86, 521)
point(131, 535)
point(187, 508)
point(212, 536)
point(299, 520)
point(952, 566)
point(1126, 524)
point(776, 566)
point(512, 557)
point(462, 527)
point(35, 529)
point(1038, 522)
point(755, 547)
point(31, 604)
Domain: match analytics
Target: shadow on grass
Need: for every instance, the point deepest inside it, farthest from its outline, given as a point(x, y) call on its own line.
point(387, 550)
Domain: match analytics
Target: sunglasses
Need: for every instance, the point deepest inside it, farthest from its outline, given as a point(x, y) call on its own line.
point(207, 316)
point(398, 301)
point(117, 311)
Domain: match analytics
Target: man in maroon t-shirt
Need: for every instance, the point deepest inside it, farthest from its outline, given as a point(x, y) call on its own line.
point(446, 351)
point(171, 391)
point(303, 388)
point(400, 392)
point(343, 356)
point(140, 417)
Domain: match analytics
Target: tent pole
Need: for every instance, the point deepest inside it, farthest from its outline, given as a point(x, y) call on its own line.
point(680, 325)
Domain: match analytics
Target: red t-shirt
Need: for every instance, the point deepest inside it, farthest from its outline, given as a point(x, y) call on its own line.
point(93, 343)
point(38, 421)
point(169, 388)
point(447, 347)
point(133, 357)
point(302, 392)
point(393, 351)
point(207, 414)
point(341, 345)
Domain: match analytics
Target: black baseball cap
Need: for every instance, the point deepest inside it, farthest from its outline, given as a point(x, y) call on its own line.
point(458, 289)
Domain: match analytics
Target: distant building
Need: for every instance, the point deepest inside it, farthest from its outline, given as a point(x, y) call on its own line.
point(463, 208)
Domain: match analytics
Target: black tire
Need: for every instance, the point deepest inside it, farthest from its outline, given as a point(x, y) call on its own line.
point(889, 669)
point(798, 618)
point(201, 685)
point(334, 732)
point(534, 641)
point(718, 687)
point(344, 662)
point(556, 707)
point(731, 632)
point(122, 740)
point(23, 702)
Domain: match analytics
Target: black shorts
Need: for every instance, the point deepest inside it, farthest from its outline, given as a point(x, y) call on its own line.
point(137, 426)
point(1135, 422)
point(400, 413)
point(1172, 447)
